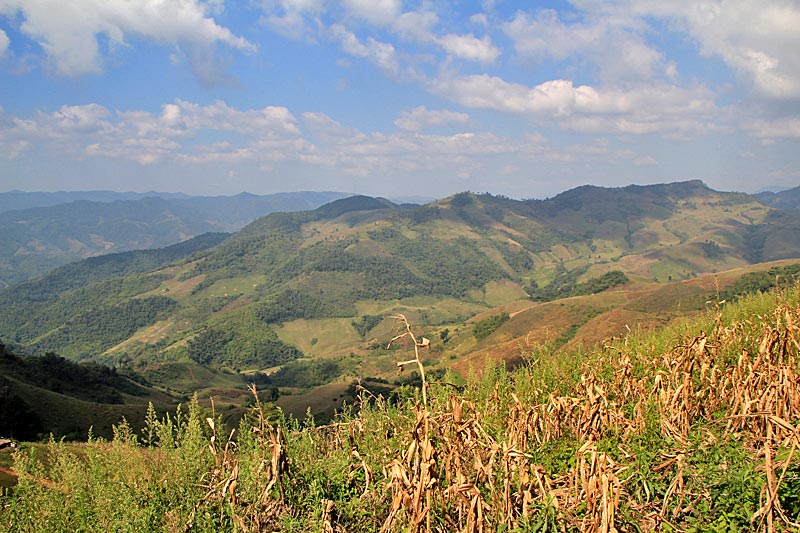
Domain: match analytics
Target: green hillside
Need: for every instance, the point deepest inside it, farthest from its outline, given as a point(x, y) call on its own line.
point(51, 395)
point(294, 287)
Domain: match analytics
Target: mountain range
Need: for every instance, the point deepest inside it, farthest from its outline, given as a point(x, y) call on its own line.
point(307, 297)
point(468, 252)
point(41, 231)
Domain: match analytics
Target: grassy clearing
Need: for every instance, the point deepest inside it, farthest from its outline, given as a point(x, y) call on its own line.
point(423, 309)
point(324, 337)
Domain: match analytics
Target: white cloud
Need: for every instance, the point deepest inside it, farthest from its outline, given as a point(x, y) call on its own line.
point(327, 129)
point(556, 97)
point(479, 19)
point(4, 42)
point(758, 40)
point(68, 31)
point(416, 26)
point(270, 121)
point(288, 17)
point(420, 118)
point(68, 121)
point(470, 47)
point(314, 6)
point(143, 151)
point(292, 25)
point(374, 11)
point(376, 52)
point(643, 109)
point(144, 137)
point(614, 44)
point(787, 127)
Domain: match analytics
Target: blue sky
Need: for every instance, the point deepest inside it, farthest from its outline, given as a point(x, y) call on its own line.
point(392, 97)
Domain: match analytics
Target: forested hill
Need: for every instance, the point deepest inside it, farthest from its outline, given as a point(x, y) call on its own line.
point(318, 282)
point(51, 395)
point(36, 239)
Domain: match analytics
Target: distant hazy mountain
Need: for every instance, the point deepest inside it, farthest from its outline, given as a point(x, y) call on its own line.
point(14, 200)
point(786, 199)
point(37, 239)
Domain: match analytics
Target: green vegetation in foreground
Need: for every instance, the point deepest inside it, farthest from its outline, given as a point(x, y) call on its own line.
point(677, 430)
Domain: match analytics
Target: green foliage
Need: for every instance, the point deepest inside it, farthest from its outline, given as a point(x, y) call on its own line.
point(565, 284)
point(323, 263)
point(45, 236)
point(508, 432)
point(28, 320)
point(86, 381)
point(93, 331)
point(518, 259)
point(292, 304)
point(487, 326)
point(608, 280)
point(240, 340)
point(116, 485)
point(365, 324)
point(754, 282)
point(18, 419)
point(304, 373)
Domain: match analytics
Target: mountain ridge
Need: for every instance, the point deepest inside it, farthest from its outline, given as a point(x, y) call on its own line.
point(469, 252)
point(36, 239)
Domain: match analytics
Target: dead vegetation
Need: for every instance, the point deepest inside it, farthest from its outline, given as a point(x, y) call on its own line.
point(468, 464)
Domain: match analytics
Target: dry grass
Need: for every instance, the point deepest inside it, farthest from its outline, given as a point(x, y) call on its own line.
point(641, 438)
point(453, 473)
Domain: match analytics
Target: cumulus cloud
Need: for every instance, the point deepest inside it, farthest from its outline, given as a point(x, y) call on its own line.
point(374, 11)
point(615, 45)
point(470, 47)
point(787, 127)
point(89, 119)
point(420, 118)
point(379, 53)
point(416, 26)
point(327, 129)
point(68, 31)
point(758, 40)
point(289, 17)
point(144, 137)
point(643, 109)
point(4, 42)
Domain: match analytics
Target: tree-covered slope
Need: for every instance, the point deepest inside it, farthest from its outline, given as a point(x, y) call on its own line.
point(50, 394)
point(242, 303)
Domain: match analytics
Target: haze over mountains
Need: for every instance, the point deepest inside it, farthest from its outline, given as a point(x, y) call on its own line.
point(40, 231)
